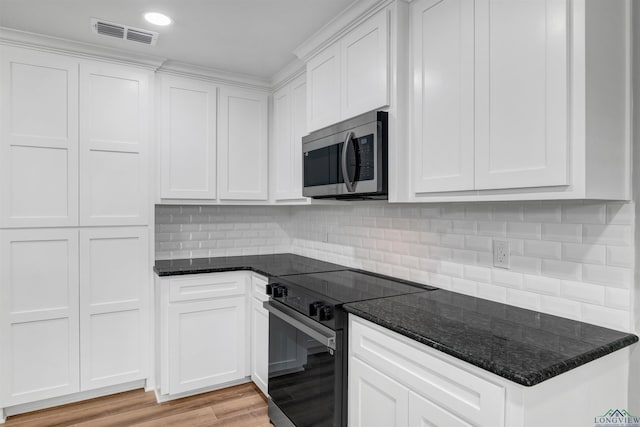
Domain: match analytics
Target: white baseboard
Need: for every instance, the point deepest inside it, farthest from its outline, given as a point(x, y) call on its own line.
point(70, 398)
point(167, 397)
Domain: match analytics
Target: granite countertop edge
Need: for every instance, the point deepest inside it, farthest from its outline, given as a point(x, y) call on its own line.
point(528, 379)
point(195, 270)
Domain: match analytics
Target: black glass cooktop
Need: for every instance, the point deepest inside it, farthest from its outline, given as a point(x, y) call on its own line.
point(340, 287)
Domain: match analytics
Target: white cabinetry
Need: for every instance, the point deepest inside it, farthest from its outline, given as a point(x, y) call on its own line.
point(39, 139)
point(350, 76)
point(259, 334)
point(289, 126)
point(188, 138)
point(513, 95)
point(113, 305)
point(204, 331)
point(39, 324)
point(242, 144)
point(396, 381)
point(114, 125)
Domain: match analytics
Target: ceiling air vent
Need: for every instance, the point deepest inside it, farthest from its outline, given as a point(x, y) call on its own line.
point(123, 32)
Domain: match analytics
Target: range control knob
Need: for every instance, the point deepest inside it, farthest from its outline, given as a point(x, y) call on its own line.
point(314, 306)
point(325, 312)
point(279, 291)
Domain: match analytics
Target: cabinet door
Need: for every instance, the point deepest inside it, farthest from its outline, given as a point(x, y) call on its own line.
point(188, 139)
point(242, 145)
point(289, 121)
point(521, 93)
point(424, 413)
point(114, 182)
point(38, 314)
point(443, 130)
point(260, 345)
point(364, 67)
point(323, 90)
point(114, 277)
point(38, 140)
point(207, 343)
point(375, 400)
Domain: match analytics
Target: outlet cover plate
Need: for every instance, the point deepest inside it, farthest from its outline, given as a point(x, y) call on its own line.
point(501, 253)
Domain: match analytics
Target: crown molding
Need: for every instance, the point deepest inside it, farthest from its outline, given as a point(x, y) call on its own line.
point(352, 16)
point(183, 69)
point(13, 37)
point(290, 71)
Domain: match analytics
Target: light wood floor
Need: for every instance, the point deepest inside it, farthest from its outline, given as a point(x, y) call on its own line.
point(238, 406)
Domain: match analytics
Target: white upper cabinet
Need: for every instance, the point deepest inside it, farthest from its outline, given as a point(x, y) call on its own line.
point(350, 76)
point(511, 100)
point(289, 126)
point(443, 135)
point(188, 138)
point(242, 144)
point(323, 101)
point(522, 93)
point(114, 129)
point(39, 139)
point(364, 66)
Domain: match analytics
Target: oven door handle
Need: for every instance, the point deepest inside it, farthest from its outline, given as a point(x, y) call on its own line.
point(345, 173)
point(318, 332)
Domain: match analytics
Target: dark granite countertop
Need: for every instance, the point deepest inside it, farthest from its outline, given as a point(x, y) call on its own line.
point(267, 265)
point(520, 345)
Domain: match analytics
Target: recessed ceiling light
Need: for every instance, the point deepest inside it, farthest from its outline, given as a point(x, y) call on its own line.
point(156, 18)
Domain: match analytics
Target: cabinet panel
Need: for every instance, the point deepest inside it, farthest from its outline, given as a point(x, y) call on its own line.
point(323, 77)
point(242, 145)
point(188, 138)
point(364, 67)
point(202, 286)
point(443, 135)
point(207, 343)
point(289, 121)
point(521, 93)
point(113, 305)
point(260, 345)
point(39, 316)
point(114, 137)
point(39, 139)
point(424, 413)
point(375, 400)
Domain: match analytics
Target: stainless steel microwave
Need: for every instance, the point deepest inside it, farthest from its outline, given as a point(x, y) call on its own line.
point(347, 160)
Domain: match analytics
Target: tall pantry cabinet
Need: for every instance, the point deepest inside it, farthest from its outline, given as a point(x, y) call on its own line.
point(74, 253)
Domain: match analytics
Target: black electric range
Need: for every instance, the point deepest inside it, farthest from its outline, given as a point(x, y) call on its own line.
point(308, 342)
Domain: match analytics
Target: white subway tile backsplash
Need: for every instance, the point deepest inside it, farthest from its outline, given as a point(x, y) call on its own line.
point(615, 235)
point(562, 232)
point(584, 292)
point(543, 249)
point(573, 259)
point(584, 213)
point(584, 253)
point(524, 230)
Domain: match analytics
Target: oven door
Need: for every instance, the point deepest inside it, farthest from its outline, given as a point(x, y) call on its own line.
point(305, 370)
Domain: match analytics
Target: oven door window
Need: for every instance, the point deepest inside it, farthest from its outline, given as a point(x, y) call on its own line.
point(322, 166)
point(302, 376)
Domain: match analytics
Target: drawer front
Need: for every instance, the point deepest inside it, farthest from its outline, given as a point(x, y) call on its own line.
point(259, 287)
point(206, 286)
point(460, 392)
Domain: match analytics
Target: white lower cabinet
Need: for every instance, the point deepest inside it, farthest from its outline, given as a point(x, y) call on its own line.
point(114, 269)
point(72, 311)
point(259, 335)
point(204, 331)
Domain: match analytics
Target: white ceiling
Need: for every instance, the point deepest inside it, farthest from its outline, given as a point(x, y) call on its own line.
point(254, 37)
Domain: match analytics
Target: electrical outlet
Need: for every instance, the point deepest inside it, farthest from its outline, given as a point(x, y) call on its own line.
point(501, 253)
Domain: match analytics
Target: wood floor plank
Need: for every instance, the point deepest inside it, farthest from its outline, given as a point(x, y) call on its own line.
point(238, 406)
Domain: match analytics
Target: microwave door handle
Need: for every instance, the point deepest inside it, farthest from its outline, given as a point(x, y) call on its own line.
point(345, 175)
